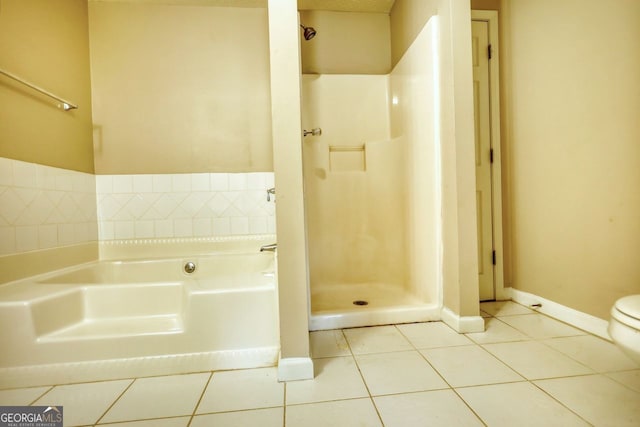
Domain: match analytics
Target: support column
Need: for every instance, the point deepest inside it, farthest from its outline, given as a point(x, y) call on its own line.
point(295, 362)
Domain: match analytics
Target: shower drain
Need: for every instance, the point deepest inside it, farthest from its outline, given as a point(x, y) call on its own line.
point(360, 302)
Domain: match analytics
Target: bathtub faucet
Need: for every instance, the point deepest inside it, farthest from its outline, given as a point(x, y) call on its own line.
point(270, 192)
point(271, 248)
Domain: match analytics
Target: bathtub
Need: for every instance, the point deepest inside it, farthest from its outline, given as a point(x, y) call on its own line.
point(133, 317)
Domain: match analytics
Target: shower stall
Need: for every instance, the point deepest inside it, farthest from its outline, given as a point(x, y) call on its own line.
point(372, 191)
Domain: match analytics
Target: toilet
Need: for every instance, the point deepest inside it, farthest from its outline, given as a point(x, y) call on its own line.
point(624, 326)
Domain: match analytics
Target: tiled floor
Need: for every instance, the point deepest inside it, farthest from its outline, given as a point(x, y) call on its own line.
point(526, 369)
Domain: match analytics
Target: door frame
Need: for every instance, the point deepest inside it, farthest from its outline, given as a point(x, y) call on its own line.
point(491, 17)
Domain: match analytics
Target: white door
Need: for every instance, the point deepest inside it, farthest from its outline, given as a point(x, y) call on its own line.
point(482, 115)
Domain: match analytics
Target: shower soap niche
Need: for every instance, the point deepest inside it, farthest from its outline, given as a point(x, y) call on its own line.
point(347, 158)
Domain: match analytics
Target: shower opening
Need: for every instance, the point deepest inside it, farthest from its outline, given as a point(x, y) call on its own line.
point(372, 195)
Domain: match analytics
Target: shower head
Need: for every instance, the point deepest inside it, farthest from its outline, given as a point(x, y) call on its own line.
point(309, 32)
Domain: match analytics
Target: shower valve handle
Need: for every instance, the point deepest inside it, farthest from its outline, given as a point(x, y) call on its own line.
point(314, 132)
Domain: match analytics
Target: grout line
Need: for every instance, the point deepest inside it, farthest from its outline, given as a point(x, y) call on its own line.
point(232, 411)
point(355, 360)
point(284, 405)
point(115, 423)
point(511, 368)
point(315, 402)
point(592, 371)
point(560, 402)
point(41, 395)
point(204, 390)
point(450, 387)
point(607, 374)
point(116, 400)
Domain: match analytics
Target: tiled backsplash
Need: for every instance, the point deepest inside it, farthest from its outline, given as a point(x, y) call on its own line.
point(184, 205)
point(43, 207)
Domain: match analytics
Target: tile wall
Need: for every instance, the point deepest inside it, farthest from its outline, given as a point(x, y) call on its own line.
point(43, 207)
point(184, 205)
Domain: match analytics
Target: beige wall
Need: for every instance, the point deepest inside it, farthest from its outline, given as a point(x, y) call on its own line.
point(346, 43)
point(47, 46)
point(180, 89)
point(486, 4)
point(572, 130)
point(407, 19)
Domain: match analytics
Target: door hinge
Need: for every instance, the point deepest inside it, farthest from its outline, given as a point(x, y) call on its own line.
point(489, 51)
point(491, 155)
point(493, 257)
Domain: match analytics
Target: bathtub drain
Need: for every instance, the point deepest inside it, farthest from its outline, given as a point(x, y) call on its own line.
point(360, 302)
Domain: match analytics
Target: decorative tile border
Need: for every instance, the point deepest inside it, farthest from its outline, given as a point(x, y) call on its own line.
point(43, 207)
point(184, 205)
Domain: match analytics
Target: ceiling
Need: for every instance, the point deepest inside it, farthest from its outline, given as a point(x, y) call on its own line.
point(377, 6)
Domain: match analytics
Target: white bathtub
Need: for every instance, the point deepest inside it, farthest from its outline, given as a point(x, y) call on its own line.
point(123, 318)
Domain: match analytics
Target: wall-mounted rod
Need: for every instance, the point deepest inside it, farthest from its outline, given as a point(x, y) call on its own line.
point(64, 104)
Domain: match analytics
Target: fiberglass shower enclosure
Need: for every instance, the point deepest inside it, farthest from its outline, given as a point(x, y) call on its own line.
point(372, 192)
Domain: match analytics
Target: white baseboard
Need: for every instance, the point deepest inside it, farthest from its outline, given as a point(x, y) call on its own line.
point(503, 294)
point(295, 369)
point(462, 324)
point(576, 318)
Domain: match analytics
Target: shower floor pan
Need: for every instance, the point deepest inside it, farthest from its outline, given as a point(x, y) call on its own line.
point(335, 306)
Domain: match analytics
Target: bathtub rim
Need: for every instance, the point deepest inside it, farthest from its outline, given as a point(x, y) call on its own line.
point(124, 250)
point(177, 247)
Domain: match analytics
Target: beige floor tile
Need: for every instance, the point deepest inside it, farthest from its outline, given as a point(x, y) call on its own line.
point(539, 326)
point(484, 314)
point(84, 403)
point(469, 365)
point(432, 335)
point(328, 344)
point(271, 417)
point(347, 413)
point(430, 408)
point(242, 389)
point(596, 398)
point(594, 352)
point(21, 396)
point(518, 404)
point(497, 331)
point(159, 397)
point(161, 422)
point(377, 339)
point(335, 378)
point(401, 372)
point(504, 308)
point(630, 379)
point(534, 360)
